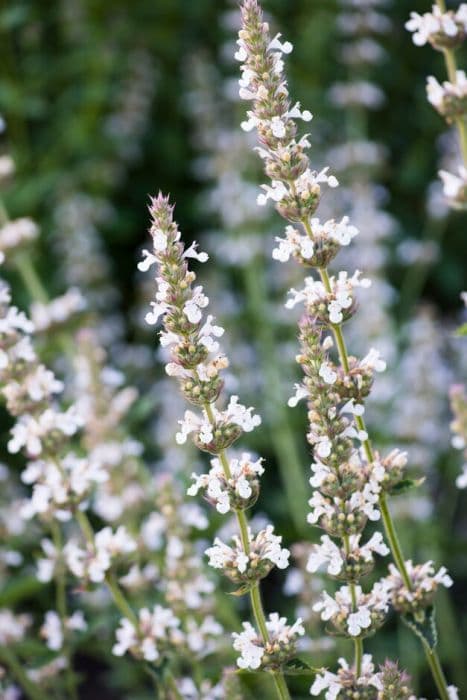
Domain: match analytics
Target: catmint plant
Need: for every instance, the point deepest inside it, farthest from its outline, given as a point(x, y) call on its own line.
point(231, 484)
point(352, 480)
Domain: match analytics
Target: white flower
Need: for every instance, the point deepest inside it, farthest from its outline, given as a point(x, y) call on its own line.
point(192, 308)
point(252, 648)
point(96, 560)
point(325, 553)
point(327, 373)
point(300, 393)
point(265, 546)
point(57, 311)
point(454, 186)
point(341, 609)
point(29, 431)
point(156, 630)
point(329, 554)
point(46, 565)
point(334, 683)
point(192, 252)
point(219, 489)
point(12, 627)
point(15, 233)
point(425, 27)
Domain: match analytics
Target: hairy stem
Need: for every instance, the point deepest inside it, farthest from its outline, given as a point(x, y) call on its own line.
point(255, 595)
point(389, 527)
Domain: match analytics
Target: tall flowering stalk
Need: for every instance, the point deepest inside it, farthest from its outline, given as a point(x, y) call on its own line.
point(232, 484)
point(352, 481)
point(446, 31)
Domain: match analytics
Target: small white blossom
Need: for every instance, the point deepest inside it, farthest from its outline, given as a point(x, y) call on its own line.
point(156, 630)
point(252, 648)
point(428, 26)
point(219, 489)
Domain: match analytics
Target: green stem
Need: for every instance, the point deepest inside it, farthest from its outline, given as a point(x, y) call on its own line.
point(255, 595)
point(282, 436)
point(436, 671)
point(389, 527)
point(32, 690)
point(281, 686)
point(31, 280)
point(358, 643)
point(62, 609)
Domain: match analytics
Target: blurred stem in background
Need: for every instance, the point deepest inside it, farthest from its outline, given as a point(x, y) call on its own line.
point(282, 436)
point(15, 665)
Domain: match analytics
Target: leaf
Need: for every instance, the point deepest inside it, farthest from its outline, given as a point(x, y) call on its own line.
point(18, 589)
point(241, 591)
point(462, 330)
point(425, 627)
point(298, 667)
point(406, 485)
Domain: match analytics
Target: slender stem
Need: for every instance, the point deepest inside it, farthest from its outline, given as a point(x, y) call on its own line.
point(62, 608)
point(436, 672)
point(391, 534)
point(30, 277)
point(31, 689)
point(258, 611)
point(255, 595)
point(282, 435)
point(396, 549)
point(281, 686)
point(358, 643)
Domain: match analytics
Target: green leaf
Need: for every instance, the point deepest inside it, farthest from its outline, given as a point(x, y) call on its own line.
point(462, 330)
point(18, 589)
point(423, 625)
point(298, 667)
point(242, 590)
point(406, 485)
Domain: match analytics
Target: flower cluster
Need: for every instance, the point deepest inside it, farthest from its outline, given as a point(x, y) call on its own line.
point(53, 631)
point(389, 683)
point(424, 584)
point(441, 29)
point(91, 564)
point(149, 639)
point(196, 362)
point(238, 492)
point(353, 612)
point(59, 311)
point(242, 566)
point(449, 99)
point(16, 234)
point(256, 653)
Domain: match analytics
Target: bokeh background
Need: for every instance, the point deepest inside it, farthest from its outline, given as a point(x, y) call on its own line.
point(105, 103)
